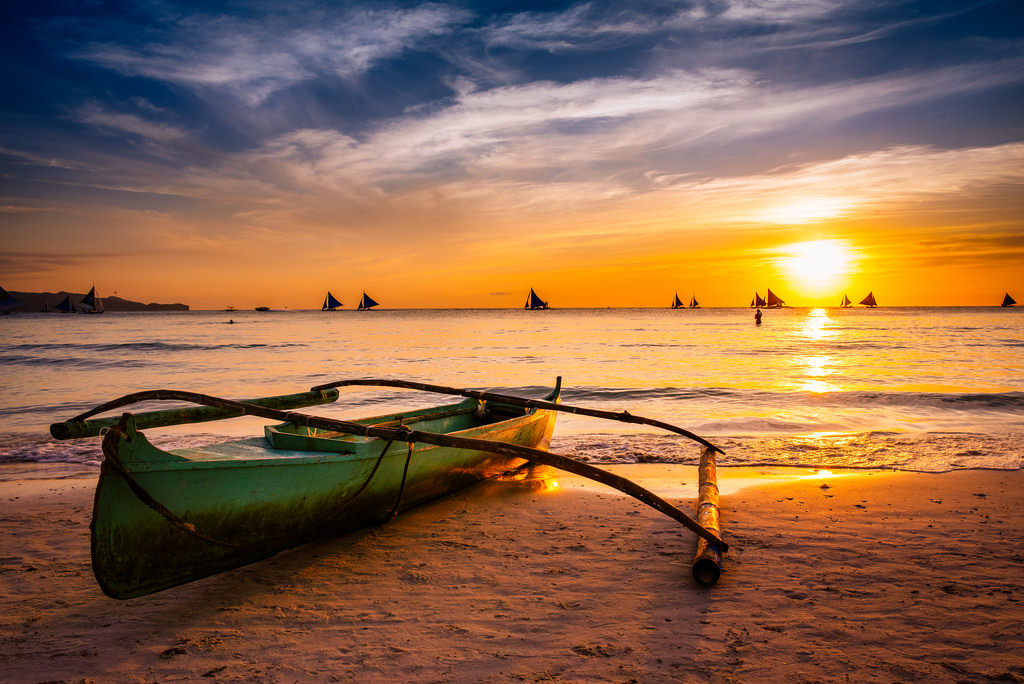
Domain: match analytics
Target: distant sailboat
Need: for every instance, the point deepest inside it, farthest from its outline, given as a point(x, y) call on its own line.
point(1008, 300)
point(65, 305)
point(869, 300)
point(90, 303)
point(7, 301)
point(366, 302)
point(677, 303)
point(773, 301)
point(330, 303)
point(757, 301)
point(846, 301)
point(694, 304)
point(535, 302)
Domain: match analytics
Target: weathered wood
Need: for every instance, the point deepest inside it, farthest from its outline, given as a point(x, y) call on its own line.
point(80, 427)
point(707, 564)
point(407, 435)
point(623, 416)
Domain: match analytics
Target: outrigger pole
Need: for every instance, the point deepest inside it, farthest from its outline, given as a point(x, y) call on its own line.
point(622, 416)
point(79, 427)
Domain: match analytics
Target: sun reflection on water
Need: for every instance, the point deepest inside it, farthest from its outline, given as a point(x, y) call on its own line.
point(816, 367)
point(818, 325)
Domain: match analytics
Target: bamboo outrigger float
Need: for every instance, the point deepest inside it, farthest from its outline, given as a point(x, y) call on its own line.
point(707, 564)
point(164, 518)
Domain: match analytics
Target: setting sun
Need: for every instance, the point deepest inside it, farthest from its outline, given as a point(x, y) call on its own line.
point(818, 266)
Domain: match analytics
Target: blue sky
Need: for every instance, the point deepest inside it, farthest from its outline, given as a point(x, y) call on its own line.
point(154, 138)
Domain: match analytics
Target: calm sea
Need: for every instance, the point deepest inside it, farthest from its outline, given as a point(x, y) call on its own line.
point(930, 389)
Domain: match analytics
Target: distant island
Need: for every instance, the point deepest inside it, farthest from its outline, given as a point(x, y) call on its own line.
point(39, 301)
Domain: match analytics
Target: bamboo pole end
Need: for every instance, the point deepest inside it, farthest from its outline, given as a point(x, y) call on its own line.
point(706, 571)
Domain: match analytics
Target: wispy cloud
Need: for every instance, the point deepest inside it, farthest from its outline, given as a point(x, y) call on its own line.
point(610, 137)
point(588, 25)
point(254, 58)
point(23, 209)
point(99, 116)
point(894, 180)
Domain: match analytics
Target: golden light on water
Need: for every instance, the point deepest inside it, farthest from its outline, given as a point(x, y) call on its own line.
point(818, 267)
point(818, 367)
point(817, 327)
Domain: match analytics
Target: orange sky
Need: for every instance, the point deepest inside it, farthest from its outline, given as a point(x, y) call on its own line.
point(915, 226)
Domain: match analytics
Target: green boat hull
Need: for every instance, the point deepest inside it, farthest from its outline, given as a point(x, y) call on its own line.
point(164, 518)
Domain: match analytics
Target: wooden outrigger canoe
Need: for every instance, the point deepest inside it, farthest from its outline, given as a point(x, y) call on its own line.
point(164, 518)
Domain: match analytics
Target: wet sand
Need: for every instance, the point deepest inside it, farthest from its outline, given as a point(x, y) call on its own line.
point(858, 577)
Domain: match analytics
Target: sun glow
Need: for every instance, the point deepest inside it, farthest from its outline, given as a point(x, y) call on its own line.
point(819, 266)
point(806, 210)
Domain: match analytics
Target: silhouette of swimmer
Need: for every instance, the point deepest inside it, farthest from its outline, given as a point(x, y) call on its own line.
point(757, 317)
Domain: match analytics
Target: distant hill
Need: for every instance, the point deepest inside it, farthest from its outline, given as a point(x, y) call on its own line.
point(36, 301)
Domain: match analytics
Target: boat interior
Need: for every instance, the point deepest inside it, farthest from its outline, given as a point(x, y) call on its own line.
point(465, 415)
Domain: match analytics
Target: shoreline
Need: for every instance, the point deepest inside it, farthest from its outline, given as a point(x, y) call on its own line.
point(866, 575)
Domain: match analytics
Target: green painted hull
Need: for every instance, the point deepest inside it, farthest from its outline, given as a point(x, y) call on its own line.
point(237, 502)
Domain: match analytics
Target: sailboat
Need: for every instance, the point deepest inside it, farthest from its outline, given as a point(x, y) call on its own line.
point(756, 301)
point(846, 302)
point(366, 302)
point(8, 301)
point(65, 305)
point(1008, 300)
point(773, 301)
point(677, 303)
point(90, 303)
point(535, 302)
point(694, 304)
point(330, 303)
point(869, 300)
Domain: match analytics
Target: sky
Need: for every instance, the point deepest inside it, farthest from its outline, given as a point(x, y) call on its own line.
point(458, 154)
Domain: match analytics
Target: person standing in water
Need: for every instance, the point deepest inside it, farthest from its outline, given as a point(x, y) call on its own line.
point(757, 317)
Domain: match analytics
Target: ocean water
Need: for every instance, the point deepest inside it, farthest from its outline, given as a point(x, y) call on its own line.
point(928, 389)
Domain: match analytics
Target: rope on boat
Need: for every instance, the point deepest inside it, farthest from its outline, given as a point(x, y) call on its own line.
point(401, 487)
point(622, 416)
point(111, 458)
point(502, 448)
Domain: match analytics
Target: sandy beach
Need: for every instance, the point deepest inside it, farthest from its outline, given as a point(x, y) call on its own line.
point(858, 576)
